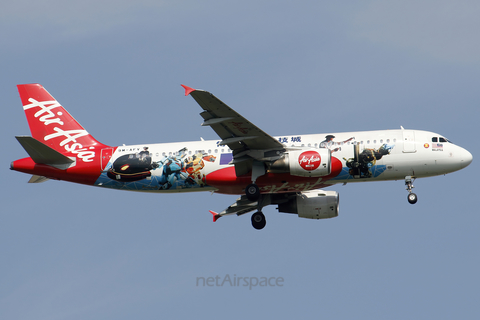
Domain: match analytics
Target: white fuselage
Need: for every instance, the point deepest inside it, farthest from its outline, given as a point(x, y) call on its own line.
point(406, 153)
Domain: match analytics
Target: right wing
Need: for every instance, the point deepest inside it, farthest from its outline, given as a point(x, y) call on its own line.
point(247, 141)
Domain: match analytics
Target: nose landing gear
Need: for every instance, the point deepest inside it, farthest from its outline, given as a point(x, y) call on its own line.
point(412, 197)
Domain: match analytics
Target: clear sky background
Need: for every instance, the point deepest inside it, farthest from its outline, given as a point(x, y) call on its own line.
point(291, 67)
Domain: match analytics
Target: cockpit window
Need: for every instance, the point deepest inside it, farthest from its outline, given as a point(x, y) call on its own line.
point(441, 139)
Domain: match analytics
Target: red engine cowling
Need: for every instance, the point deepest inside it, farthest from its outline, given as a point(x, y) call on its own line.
point(305, 163)
point(315, 204)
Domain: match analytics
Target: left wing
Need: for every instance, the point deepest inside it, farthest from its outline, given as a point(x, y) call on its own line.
point(241, 206)
point(247, 141)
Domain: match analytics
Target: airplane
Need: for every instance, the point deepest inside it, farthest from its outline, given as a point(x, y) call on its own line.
point(287, 171)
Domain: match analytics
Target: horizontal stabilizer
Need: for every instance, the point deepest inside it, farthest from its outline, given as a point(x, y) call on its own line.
point(43, 154)
point(37, 179)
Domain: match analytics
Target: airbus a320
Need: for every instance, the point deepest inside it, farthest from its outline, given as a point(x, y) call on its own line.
point(287, 171)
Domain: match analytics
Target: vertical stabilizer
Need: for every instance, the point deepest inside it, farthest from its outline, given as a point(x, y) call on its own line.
point(53, 126)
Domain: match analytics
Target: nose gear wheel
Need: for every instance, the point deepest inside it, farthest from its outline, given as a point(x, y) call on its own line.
point(412, 197)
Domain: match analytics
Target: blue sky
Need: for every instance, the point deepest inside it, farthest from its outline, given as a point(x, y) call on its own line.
point(291, 67)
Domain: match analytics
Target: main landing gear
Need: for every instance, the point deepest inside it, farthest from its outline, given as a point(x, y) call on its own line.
point(412, 197)
point(253, 194)
point(252, 191)
point(258, 220)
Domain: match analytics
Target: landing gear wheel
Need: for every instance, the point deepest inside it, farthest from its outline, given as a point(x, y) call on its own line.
point(252, 191)
point(412, 198)
point(258, 220)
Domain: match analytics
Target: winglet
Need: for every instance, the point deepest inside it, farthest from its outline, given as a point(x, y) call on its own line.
point(215, 215)
point(188, 90)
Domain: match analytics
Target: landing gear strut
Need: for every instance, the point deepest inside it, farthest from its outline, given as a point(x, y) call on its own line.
point(252, 191)
point(412, 197)
point(258, 220)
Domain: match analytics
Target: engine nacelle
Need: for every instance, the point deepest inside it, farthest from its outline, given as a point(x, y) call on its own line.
point(315, 204)
point(305, 163)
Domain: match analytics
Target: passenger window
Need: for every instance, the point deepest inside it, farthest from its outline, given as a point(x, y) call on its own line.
point(434, 139)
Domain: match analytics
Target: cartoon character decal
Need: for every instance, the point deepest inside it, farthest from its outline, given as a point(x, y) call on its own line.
point(360, 165)
point(132, 167)
point(182, 171)
point(137, 171)
point(194, 166)
point(328, 143)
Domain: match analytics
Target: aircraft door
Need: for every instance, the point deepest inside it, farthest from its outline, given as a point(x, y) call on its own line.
point(409, 141)
point(105, 157)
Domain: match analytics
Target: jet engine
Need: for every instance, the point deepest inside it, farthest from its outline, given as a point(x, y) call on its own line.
point(315, 204)
point(304, 163)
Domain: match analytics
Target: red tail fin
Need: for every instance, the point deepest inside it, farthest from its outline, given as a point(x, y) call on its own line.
point(51, 124)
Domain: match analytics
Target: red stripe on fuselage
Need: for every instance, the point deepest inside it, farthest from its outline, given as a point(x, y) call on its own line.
point(226, 181)
point(82, 172)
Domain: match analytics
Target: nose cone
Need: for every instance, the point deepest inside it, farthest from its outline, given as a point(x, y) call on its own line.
point(465, 158)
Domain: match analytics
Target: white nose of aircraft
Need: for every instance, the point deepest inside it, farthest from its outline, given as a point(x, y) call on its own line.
point(465, 157)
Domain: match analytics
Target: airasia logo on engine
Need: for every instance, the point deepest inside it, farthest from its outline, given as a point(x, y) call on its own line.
point(309, 160)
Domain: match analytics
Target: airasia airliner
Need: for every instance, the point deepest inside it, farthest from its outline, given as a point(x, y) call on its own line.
point(288, 171)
